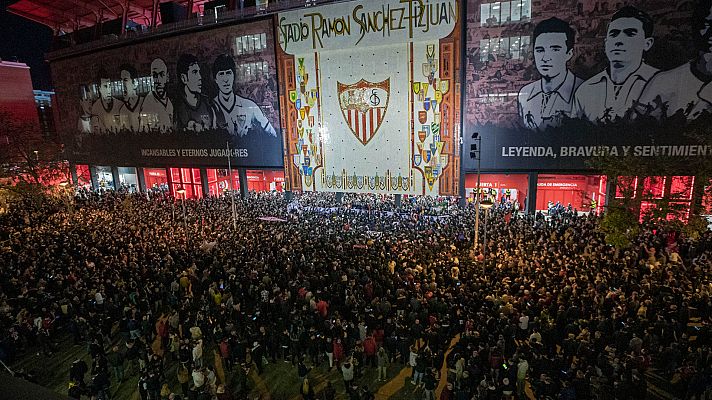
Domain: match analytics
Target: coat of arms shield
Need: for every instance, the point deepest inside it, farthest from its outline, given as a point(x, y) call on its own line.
point(363, 105)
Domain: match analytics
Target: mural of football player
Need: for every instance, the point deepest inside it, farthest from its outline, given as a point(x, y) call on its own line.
point(545, 102)
point(84, 123)
point(192, 110)
point(238, 115)
point(612, 92)
point(130, 109)
point(157, 108)
point(687, 88)
point(105, 110)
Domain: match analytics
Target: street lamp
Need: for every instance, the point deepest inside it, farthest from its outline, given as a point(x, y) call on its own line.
point(181, 192)
point(232, 190)
point(486, 205)
point(475, 154)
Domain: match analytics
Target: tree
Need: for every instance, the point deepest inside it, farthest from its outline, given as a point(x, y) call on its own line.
point(622, 212)
point(620, 225)
point(28, 162)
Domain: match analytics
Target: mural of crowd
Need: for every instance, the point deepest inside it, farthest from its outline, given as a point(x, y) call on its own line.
point(189, 110)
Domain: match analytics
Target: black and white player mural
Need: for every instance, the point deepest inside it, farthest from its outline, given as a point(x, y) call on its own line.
point(130, 108)
point(685, 89)
point(581, 78)
point(236, 114)
point(156, 107)
point(193, 109)
point(544, 102)
point(183, 99)
point(104, 112)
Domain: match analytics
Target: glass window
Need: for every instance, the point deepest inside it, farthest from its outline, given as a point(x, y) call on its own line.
point(526, 9)
point(516, 10)
point(504, 13)
point(176, 188)
point(514, 47)
point(626, 187)
point(185, 175)
point(196, 175)
point(681, 187)
point(647, 209)
point(525, 50)
point(654, 187)
point(83, 175)
point(484, 13)
point(494, 46)
point(239, 45)
point(175, 174)
point(679, 211)
point(503, 47)
point(494, 14)
point(104, 177)
point(484, 49)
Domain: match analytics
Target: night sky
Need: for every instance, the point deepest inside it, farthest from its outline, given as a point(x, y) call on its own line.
point(27, 42)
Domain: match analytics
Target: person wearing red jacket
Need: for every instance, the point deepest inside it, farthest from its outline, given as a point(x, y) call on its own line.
point(323, 308)
point(338, 351)
point(369, 349)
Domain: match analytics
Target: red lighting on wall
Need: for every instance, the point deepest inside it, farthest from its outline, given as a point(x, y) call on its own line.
point(187, 179)
point(626, 185)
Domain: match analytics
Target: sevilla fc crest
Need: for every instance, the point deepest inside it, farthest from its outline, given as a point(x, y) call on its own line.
point(364, 106)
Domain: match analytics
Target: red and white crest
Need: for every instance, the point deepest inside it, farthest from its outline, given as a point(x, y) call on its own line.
point(364, 105)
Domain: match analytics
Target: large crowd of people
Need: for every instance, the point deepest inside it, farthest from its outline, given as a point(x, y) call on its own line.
point(352, 284)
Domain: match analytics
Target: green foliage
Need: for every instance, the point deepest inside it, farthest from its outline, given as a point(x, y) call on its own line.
point(696, 226)
point(620, 226)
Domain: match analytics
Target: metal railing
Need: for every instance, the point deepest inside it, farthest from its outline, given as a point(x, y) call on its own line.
point(199, 20)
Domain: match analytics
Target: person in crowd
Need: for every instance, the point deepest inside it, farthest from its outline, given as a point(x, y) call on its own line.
point(382, 364)
point(550, 306)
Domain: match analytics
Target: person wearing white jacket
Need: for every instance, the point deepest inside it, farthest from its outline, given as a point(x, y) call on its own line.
point(198, 353)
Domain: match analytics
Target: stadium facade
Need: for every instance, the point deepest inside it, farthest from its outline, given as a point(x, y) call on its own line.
point(385, 96)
